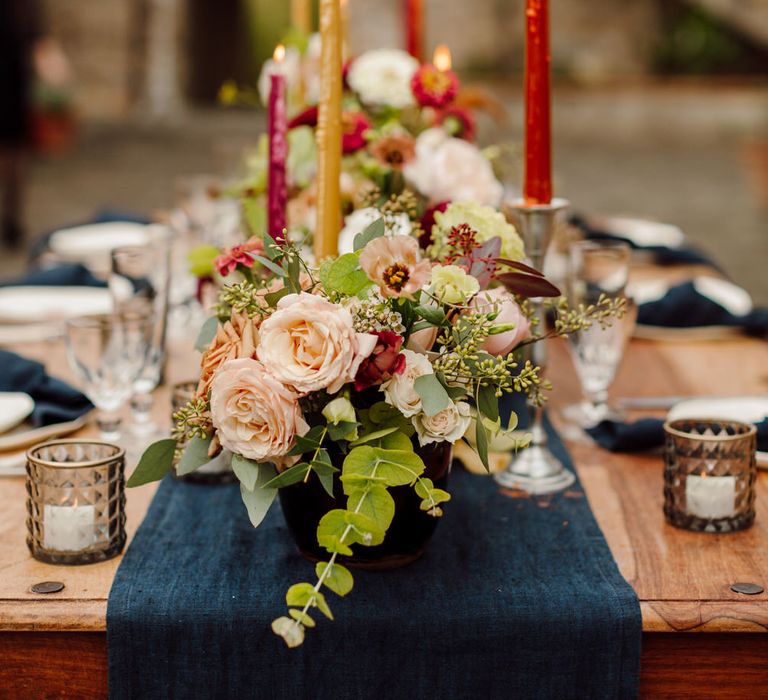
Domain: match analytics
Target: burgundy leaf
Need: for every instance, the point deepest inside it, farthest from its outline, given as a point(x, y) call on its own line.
point(520, 266)
point(528, 285)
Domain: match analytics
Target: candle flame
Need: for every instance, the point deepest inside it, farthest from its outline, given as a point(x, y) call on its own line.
point(279, 54)
point(442, 58)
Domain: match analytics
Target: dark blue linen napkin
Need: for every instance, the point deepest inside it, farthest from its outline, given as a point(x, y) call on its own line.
point(683, 307)
point(515, 597)
point(647, 434)
point(74, 275)
point(684, 255)
point(55, 400)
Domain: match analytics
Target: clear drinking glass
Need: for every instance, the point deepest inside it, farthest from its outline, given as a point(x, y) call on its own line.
point(140, 283)
point(107, 354)
point(597, 268)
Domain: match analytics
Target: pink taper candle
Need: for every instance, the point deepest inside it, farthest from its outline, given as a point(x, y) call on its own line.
point(277, 189)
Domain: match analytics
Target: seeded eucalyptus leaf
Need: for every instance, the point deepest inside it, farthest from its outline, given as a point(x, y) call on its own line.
point(481, 443)
point(257, 502)
point(154, 464)
point(374, 501)
point(434, 315)
point(375, 229)
point(487, 403)
point(195, 455)
point(338, 578)
point(434, 397)
point(207, 333)
point(271, 266)
point(290, 476)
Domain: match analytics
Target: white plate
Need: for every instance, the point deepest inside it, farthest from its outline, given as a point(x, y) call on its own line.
point(642, 232)
point(15, 406)
point(25, 435)
point(34, 304)
point(91, 244)
point(748, 409)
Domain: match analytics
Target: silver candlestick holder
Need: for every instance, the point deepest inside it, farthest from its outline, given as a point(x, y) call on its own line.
point(535, 469)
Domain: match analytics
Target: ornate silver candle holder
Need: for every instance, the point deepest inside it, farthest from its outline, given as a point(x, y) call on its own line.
point(535, 469)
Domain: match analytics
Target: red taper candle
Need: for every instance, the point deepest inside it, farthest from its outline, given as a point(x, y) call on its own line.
point(277, 188)
point(413, 15)
point(537, 188)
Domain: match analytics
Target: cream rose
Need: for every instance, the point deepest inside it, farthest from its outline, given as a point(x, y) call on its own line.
point(254, 414)
point(447, 425)
point(399, 391)
point(310, 344)
point(509, 312)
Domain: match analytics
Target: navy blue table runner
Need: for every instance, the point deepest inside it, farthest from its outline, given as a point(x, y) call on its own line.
point(516, 597)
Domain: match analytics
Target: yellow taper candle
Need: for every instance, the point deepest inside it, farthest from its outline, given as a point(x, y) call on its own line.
point(329, 132)
point(301, 16)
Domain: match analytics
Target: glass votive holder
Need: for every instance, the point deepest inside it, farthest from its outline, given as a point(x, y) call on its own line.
point(218, 471)
point(709, 474)
point(75, 501)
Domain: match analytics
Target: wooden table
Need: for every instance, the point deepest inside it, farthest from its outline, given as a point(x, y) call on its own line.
point(700, 639)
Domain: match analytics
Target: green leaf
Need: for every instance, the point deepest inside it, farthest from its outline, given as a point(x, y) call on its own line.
point(345, 430)
point(207, 333)
point(273, 297)
point(512, 421)
point(375, 435)
point(351, 482)
point(434, 397)
point(488, 403)
point(292, 634)
point(257, 502)
point(301, 617)
point(481, 443)
point(290, 476)
point(326, 481)
point(338, 578)
point(375, 502)
point(201, 259)
point(246, 470)
point(271, 266)
point(154, 464)
point(375, 229)
point(426, 490)
point(322, 605)
point(271, 247)
point(330, 530)
point(364, 530)
point(195, 455)
point(345, 276)
point(300, 594)
point(397, 441)
point(434, 315)
point(255, 216)
point(398, 467)
point(309, 442)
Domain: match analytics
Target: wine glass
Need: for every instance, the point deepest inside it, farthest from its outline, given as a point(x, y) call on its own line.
point(597, 269)
point(139, 283)
point(107, 354)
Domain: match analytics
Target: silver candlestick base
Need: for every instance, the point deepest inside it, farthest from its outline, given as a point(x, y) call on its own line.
point(535, 469)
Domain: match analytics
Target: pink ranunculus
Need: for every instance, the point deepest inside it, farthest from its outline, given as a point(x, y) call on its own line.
point(385, 360)
point(509, 312)
point(239, 255)
point(254, 414)
point(394, 263)
point(311, 344)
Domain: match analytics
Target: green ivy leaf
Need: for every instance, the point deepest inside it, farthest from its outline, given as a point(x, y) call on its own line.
point(375, 229)
point(375, 502)
point(195, 455)
point(290, 476)
point(154, 464)
point(301, 617)
point(338, 579)
point(207, 333)
point(434, 397)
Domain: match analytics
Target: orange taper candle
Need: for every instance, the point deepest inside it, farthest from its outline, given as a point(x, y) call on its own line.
point(537, 188)
point(329, 132)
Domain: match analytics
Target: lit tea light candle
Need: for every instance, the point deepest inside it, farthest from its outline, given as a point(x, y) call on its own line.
point(69, 528)
point(441, 59)
point(710, 497)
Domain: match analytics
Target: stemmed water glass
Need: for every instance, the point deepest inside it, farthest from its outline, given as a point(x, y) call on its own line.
point(107, 354)
point(597, 269)
point(139, 283)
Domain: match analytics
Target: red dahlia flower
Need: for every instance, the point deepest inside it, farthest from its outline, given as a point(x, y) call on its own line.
point(457, 121)
point(354, 126)
point(433, 87)
point(385, 361)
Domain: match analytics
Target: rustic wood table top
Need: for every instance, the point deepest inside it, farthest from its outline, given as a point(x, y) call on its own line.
point(682, 578)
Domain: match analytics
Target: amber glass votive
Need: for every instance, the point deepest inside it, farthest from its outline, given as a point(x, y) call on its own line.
point(218, 471)
point(75, 501)
point(709, 474)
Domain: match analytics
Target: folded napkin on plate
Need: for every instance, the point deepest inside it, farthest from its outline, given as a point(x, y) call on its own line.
point(74, 275)
point(647, 434)
point(55, 401)
point(663, 255)
point(684, 306)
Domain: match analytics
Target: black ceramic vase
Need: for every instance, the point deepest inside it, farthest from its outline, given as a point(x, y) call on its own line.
point(304, 504)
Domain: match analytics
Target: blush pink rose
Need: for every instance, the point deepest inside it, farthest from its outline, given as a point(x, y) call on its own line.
point(254, 414)
point(311, 344)
point(509, 312)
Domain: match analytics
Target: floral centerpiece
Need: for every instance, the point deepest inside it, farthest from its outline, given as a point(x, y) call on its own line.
point(353, 376)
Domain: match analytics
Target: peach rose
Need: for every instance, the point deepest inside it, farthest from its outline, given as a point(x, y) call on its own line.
point(509, 312)
point(311, 344)
point(236, 339)
point(255, 415)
